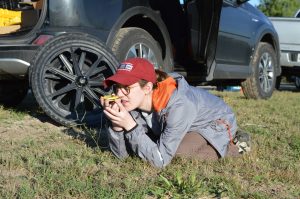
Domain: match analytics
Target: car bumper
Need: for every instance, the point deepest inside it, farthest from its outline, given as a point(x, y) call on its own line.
point(15, 60)
point(290, 58)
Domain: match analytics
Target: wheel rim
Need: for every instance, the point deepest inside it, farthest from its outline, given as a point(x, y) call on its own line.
point(143, 51)
point(73, 82)
point(266, 72)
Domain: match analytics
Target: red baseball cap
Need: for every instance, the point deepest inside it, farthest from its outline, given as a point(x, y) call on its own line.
point(131, 71)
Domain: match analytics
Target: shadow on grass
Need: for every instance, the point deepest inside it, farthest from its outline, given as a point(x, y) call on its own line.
point(286, 87)
point(94, 137)
point(31, 107)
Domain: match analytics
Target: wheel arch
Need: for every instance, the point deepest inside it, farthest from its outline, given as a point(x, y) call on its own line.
point(150, 21)
point(271, 38)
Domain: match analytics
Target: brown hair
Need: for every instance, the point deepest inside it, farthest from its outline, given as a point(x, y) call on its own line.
point(160, 76)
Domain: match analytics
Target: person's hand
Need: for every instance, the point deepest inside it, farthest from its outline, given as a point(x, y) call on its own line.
point(111, 105)
point(119, 116)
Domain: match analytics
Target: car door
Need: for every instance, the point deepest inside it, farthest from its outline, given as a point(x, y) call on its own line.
point(204, 16)
point(234, 38)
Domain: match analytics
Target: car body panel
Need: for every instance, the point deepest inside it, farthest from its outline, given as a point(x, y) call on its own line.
point(236, 29)
point(241, 28)
point(103, 19)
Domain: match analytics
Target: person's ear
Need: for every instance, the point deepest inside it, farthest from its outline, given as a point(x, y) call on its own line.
point(148, 88)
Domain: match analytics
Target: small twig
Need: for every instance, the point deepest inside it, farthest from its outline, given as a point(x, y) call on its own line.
point(258, 125)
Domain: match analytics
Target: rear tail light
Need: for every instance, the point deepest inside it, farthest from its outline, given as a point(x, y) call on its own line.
point(42, 39)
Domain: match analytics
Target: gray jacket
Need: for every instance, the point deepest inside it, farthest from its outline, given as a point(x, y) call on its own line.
point(189, 109)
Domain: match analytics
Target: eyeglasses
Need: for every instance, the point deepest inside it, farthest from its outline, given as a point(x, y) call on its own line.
point(124, 89)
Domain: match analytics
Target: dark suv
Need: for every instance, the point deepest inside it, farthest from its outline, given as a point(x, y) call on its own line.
point(64, 49)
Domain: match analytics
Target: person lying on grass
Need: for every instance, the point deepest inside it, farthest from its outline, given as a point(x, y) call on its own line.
point(157, 116)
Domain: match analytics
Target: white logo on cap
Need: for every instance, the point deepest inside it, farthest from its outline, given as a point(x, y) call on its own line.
point(125, 66)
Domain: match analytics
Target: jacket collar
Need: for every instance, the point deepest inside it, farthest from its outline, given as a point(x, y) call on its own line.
point(162, 94)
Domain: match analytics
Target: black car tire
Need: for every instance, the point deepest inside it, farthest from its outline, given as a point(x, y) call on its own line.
point(127, 40)
point(278, 82)
point(13, 92)
point(297, 82)
point(69, 91)
point(261, 84)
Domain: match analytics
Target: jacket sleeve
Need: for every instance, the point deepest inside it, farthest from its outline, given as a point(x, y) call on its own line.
point(117, 143)
point(179, 118)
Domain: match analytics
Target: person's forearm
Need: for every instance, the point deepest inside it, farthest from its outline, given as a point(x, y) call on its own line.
point(117, 143)
point(145, 148)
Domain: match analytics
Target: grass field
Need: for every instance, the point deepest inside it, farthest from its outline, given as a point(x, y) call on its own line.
point(39, 159)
